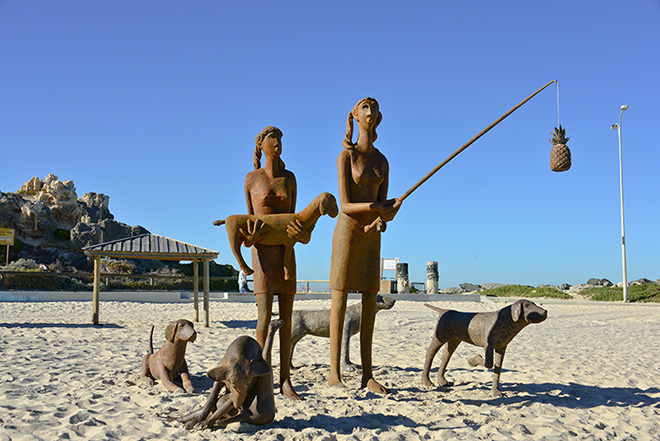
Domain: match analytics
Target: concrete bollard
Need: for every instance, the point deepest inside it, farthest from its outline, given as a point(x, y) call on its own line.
point(432, 277)
point(402, 281)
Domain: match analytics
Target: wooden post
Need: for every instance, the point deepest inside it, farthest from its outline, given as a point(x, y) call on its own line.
point(97, 290)
point(196, 289)
point(206, 292)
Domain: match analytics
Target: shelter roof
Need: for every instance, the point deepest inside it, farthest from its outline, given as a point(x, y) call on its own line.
point(150, 246)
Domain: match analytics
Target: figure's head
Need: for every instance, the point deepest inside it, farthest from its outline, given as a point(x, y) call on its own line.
point(272, 134)
point(367, 114)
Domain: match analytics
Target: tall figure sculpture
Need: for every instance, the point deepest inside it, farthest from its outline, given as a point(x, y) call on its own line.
point(271, 189)
point(363, 181)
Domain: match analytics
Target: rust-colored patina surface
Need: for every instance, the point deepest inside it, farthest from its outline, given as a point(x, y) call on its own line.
point(272, 189)
point(363, 181)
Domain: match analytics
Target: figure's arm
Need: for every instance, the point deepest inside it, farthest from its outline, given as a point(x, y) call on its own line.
point(386, 207)
point(295, 229)
point(248, 195)
point(344, 172)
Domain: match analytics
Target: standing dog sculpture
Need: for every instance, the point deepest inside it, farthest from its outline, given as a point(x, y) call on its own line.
point(491, 330)
point(271, 229)
point(318, 323)
point(246, 373)
point(169, 363)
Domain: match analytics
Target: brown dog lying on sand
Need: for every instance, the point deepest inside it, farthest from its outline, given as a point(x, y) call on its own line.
point(169, 363)
point(491, 330)
point(272, 229)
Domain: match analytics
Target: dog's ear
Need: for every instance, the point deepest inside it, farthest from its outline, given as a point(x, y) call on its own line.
point(516, 310)
point(217, 374)
point(170, 332)
point(259, 368)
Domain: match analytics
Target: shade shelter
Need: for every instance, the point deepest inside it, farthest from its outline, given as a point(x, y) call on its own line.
point(152, 246)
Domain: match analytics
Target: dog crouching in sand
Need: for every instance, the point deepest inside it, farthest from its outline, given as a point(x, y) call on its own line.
point(491, 330)
point(169, 363)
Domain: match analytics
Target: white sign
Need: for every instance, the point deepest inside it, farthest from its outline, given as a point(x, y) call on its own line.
point(6, 236)
point(390, 264)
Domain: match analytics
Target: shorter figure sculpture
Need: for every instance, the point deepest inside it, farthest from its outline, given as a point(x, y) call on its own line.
point(491, 330)
point(317, 323)
point(246, 374)
point(169, 363)
point(274, 229)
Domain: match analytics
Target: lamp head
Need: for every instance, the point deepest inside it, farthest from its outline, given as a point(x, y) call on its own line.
point(624, 107)
point(614, 126)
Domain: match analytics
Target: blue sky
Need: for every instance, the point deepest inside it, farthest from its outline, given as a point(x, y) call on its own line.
point(157, 103)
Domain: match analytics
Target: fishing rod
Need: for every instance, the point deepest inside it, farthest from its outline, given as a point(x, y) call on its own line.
point(400, 199)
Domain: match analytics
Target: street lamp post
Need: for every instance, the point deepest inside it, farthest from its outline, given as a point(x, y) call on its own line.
point(623, 228)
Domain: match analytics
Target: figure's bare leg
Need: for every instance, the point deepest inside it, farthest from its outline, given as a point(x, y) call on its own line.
point(264, 313)
point(337, 315)
point(286, 312)
point(367, 321)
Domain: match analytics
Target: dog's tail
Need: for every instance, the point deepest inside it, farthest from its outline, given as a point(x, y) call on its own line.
point(435, 308)
point(151, 340)
point(219, 222)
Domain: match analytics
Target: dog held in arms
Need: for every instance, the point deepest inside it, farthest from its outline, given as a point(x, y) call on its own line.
point(246, 373)
point(491, 330)
point(271, 229)
point(317, 323)
point(169, 363)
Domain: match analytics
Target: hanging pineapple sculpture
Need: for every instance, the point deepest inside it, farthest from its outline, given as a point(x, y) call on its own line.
point(560, 155)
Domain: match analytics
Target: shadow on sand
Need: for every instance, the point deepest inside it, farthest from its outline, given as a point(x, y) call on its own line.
point(60, 325)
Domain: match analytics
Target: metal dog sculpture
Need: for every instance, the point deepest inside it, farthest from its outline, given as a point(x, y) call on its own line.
point(317, 323)
point(246, 373)
point(169, 362)
point(271, 229)
point(491, 330)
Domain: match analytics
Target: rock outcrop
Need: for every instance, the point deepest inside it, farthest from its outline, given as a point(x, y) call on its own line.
point(52, 224)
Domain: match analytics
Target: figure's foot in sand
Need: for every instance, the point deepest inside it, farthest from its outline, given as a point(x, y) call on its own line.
point(287, 391)
point(375, 386)
point(336, 382)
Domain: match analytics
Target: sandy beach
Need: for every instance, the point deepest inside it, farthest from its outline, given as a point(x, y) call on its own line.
point(589, 372)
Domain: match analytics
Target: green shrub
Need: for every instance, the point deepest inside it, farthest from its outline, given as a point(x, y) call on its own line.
point(524, 291)
point(62, 234)
point(647, 292)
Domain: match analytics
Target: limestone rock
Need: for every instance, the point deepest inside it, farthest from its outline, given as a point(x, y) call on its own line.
point(469, 287)
point(95, 207)
point(85, 234)
point(599, 282)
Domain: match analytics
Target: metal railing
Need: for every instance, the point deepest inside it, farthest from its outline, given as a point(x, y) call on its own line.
point(152, 278)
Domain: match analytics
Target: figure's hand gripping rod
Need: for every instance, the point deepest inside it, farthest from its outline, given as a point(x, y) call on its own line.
point(453, 155)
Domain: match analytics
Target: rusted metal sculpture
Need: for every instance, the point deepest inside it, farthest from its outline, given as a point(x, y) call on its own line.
point(169, 363)
point(491, 330)
point(379, 222)
point(272, 189)
point(273, 229)
point(246, 374)
point(317, 323)
point(363, 180)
